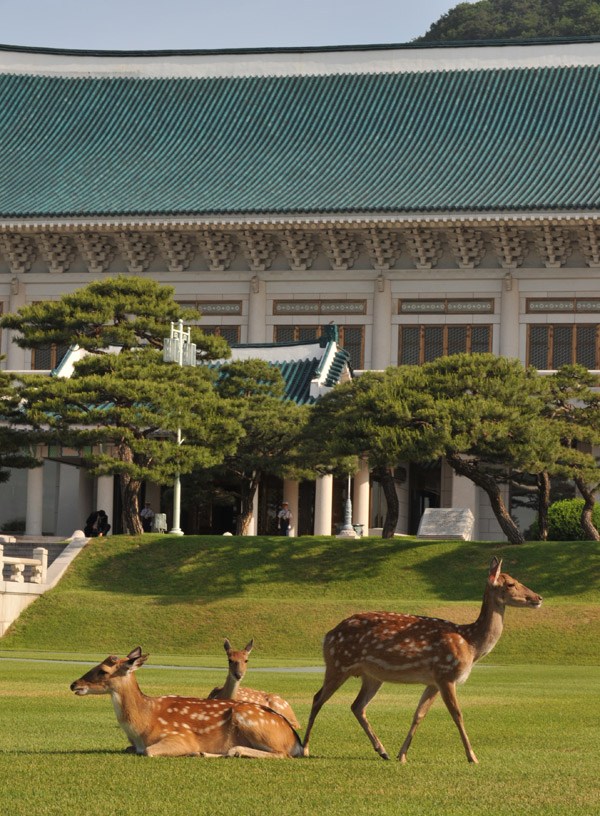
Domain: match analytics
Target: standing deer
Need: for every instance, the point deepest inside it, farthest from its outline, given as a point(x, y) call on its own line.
point(238, 663)
point(180, 726)
point(385, 646)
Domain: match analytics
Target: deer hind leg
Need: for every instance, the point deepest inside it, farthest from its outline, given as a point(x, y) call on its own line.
point(173, 745)
point(254, 753)
point(425, 703)
point(330, 685)
point(368, 690)
point(448, 692)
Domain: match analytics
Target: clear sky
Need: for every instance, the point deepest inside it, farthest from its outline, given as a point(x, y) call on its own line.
point(182, 24)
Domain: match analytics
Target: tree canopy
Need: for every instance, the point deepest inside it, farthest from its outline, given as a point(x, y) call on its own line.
point(516, 19)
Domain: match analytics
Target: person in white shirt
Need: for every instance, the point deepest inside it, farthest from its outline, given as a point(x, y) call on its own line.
point(284, 519)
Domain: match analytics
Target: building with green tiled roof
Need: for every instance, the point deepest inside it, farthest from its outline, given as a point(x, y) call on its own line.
point(427, 199)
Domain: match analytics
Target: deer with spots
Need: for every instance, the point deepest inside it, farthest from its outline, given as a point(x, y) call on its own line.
point(383, 647)
point(238, 663)
point(187, 726)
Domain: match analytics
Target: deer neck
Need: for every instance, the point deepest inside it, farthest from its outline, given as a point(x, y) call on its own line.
point(485, 632)
point(230, 689)
point(133, 709)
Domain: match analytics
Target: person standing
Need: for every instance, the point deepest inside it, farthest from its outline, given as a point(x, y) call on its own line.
point(147, 514)
point(284, 519)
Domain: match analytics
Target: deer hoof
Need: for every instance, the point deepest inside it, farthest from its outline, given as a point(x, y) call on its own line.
point(384, 755)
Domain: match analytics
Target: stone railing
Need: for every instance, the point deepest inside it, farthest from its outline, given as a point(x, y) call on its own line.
point(30, 577)
point(38, 564)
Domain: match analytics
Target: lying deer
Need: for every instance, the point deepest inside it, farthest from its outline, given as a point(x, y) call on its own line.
point(238, 663)
point(385, 646)
point(179, 726)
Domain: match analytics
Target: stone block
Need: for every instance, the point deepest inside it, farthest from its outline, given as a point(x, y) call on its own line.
point(447, 523)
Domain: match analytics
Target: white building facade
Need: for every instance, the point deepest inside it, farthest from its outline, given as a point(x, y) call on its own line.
point(426, 200)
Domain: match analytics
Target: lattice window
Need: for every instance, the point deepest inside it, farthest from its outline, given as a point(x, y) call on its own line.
point(230, 333)
point(552, 346)
point(47, 357)
point(422, 344)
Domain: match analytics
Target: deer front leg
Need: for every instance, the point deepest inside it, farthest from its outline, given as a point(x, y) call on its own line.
point(368, 690)
point(331, 684)
point(448, 692)
point(425, 702)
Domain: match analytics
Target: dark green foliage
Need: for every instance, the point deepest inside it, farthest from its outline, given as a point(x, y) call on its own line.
point(516, 19)
point(564, 520)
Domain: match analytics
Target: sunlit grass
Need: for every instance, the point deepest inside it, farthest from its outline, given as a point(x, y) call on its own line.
point(536, 731)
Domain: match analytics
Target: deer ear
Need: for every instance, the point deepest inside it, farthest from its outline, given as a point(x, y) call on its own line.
point(494, 573)
point(248, 646)
point(134, 653)
point(227, 645)
point(134, 663)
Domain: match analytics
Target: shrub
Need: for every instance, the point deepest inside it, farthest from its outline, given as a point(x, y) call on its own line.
point(564, 521)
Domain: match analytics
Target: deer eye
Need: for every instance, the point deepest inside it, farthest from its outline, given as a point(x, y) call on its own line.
point(509, 584)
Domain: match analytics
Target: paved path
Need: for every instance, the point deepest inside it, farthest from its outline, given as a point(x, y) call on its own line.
point(297, 669)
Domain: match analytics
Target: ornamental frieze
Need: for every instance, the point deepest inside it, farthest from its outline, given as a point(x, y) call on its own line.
point(203, 249)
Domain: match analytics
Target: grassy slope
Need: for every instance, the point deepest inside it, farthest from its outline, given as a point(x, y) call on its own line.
point(181, 596)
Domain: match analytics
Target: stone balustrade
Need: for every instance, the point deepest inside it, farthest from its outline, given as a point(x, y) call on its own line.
point(38, 564)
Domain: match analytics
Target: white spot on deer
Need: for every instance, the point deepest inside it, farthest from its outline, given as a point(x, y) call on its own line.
point(161, 721)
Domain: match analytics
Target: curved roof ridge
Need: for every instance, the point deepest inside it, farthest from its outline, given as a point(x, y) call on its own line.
point(298, 49)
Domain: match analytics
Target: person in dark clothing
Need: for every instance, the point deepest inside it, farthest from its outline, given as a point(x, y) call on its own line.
point(96, 524)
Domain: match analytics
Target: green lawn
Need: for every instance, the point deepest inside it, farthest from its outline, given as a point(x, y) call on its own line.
point(532, 708)
point(536, 731)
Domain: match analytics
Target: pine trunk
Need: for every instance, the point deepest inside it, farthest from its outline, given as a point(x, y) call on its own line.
point(543, 480)
point(385, 476)
point(130, 496)
point(465, 468)
point(248, 492)
point(587, 522)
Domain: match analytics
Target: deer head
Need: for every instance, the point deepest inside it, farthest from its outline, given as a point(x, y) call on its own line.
point(507, 591)
point(238, 660)
point(102, 677)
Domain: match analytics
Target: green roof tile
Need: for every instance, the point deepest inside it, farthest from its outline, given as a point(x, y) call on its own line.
point(520, 139)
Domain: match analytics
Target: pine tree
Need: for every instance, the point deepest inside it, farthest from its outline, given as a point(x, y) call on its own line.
point(123, 411)
point(127, 402)
point(254, 390)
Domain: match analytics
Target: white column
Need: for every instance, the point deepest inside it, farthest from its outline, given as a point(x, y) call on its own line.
point(85, 495)
point(465, 495)
point(381, 349)
point(362, 496)
point(104, 497)
point(35, 501)
point(323, 505)
point(509, 317)
point(291, 492)
point(257, 312)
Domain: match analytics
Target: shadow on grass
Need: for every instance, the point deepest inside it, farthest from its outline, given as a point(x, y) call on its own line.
point(209, 568)
point(556, 568)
